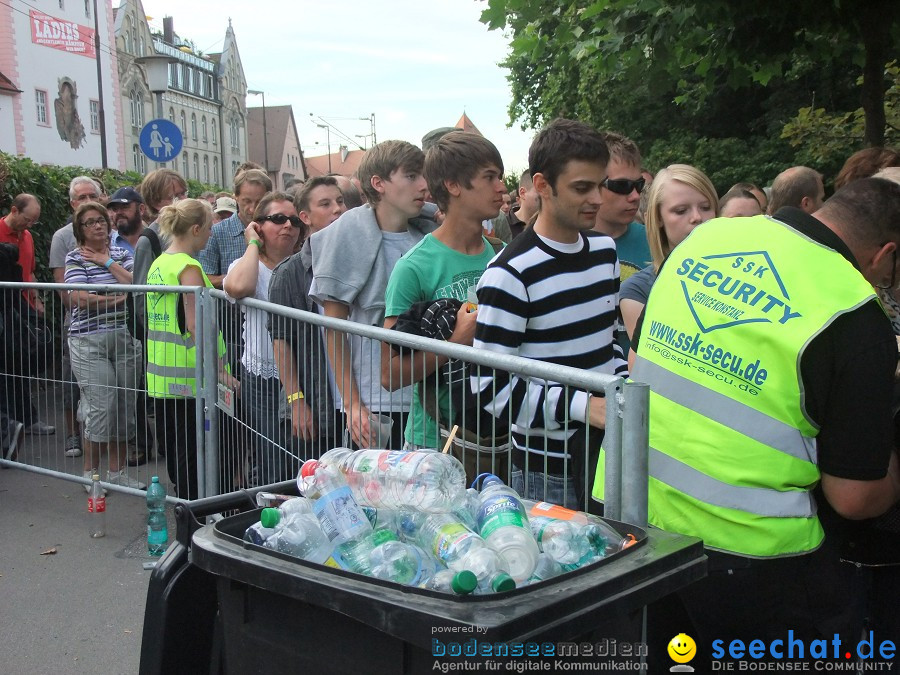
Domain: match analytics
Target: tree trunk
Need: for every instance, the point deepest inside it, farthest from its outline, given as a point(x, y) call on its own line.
point(875, 20)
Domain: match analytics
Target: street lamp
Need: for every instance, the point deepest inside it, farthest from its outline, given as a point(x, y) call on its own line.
point(371, 120)
point(157, 67)
point(327, 129)
point(257, 92)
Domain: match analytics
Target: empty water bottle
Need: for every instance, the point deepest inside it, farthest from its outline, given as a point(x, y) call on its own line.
point(421, 480)
point(491, 570)
point(503, 523)
point(604, 539)
point(564, 541)
point(257, 534)
point(449, 581)
point(297, 534)
point(546, 568)
point(400, 562)
point(157, 528)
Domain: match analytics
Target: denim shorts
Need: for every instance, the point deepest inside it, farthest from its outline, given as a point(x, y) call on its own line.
point(545, 487)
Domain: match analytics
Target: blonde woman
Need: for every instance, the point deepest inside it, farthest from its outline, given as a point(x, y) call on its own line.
point(171, 352)
point(681, 197)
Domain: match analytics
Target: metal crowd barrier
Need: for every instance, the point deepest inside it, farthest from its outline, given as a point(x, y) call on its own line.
point(245, 438)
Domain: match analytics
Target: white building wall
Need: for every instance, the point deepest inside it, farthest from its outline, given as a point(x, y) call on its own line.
point(43, 68)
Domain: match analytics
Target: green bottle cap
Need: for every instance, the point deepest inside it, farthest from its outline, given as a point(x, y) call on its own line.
point(502, 583)
point(464, 582)
point(270, 517)
point(155, 479)
point(381, 536)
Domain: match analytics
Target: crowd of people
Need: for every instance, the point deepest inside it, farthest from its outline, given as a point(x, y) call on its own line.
point(767, 336)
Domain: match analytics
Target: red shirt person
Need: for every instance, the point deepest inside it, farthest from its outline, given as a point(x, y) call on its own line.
point(25, 212)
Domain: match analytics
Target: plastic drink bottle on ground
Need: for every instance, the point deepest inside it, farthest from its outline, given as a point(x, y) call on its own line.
point(157, 528)
point(448, 581)
point(298, 535)
point(97, 508)
point(400, 562)
point(503, 524)
point(423, 480)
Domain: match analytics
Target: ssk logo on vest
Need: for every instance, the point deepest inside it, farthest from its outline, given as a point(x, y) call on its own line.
point(729, 289)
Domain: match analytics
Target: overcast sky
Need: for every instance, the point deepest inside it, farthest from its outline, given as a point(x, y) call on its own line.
point(416, 64)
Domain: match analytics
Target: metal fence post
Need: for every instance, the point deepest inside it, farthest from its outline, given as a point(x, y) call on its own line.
point(635, 453)
point(612, 446)
point(208, 361)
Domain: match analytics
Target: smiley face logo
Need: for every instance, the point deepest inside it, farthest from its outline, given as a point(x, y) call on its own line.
point(682, 648)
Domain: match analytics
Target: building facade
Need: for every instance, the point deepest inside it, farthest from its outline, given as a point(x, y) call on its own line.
point(54, 100)
point(275, 144)
point(206, 98)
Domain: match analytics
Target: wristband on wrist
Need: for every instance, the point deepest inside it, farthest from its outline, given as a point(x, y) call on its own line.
point(109, 263)
point(296, 396)
point(256, 242)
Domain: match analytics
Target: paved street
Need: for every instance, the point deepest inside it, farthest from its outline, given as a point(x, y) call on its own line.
point(81, 609)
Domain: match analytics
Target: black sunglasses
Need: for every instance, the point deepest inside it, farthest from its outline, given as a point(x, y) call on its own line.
point(624, 186)
point(281, 219)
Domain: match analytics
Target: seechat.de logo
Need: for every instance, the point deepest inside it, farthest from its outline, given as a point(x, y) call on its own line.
point(682, 649)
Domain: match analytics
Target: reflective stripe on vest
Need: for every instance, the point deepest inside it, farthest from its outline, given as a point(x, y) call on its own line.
point(171, 338)
point(726, 411)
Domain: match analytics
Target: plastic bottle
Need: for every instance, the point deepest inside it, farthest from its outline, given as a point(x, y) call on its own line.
point(399, 561)
point(423, 480)
point(460, 549)
point(157, 528)
point(448, 581)
point(564, 541)
point(97, 508)
point(341, 518)
point(257, 534)
point(503, 523)
point(297, 534)
point(546, 568)
point(603, 537)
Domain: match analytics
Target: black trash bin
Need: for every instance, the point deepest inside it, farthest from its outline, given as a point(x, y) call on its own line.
point(279, 614)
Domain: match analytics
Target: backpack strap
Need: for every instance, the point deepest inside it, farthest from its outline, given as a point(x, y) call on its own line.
point(155, 244)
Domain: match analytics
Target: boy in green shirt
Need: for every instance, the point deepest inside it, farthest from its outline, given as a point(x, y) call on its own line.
point(465, 177)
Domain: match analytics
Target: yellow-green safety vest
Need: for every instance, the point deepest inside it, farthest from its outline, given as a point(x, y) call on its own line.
point(732, 448)
point(171, 353)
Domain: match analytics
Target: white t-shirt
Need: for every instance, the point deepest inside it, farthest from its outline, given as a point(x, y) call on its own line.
point(258, 357)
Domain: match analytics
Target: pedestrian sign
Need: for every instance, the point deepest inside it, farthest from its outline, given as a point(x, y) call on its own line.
point(161, 140)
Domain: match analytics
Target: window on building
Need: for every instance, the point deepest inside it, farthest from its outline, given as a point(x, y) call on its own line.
point(196, 166)
point(193, 126)
point(172, 115)
point(203, 129)
point(216, 171)
point(184, 165)
point(138, 159)
point(183, 124)
point(235, 134)
point(234, 167)
point(210, 87)
point(215, 134)
point(205, 168)
point(137, 107)
point(172, 76)
point(189, 78)
point(140, 45)
point(95, 115)
point(40, 101)
point(128, 44)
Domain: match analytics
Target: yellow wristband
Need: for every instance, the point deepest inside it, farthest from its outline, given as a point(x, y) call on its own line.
point(256, 242)
point(296, 396)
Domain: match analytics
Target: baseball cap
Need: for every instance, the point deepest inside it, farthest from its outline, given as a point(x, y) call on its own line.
point(225, 204)
point(125, 195)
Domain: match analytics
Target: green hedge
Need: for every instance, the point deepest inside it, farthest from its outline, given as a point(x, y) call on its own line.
point(50, 184)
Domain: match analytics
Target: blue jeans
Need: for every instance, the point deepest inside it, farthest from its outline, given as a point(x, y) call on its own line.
point(260, 400)
point(556, 489)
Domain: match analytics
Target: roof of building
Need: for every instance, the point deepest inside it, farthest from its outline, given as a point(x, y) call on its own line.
point(344, 162)
point(7, 85)
point(467, 125)
point(280, 122)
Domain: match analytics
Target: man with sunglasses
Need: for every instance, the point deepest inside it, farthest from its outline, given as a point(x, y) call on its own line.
point(620, 197)
point(770, 421)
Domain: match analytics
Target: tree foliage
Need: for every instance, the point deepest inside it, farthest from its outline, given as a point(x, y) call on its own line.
point(662, 71)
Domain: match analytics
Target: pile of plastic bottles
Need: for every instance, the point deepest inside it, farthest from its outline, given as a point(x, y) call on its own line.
point(407, 517)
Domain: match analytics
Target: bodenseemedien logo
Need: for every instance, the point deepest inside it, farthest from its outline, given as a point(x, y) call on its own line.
point(682, 649)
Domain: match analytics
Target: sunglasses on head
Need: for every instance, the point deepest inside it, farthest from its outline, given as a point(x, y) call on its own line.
point(281, 219)
point(623, 186)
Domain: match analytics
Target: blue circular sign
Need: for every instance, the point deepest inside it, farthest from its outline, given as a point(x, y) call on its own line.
point(161, 140)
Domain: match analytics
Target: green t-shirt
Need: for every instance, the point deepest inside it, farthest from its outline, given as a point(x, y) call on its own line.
point(431, 270)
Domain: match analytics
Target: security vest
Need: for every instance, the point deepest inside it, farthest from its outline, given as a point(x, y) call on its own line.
point(171, 352)
point(732, 448)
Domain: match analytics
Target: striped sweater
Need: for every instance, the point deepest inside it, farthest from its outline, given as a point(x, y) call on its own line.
point(550, 302)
